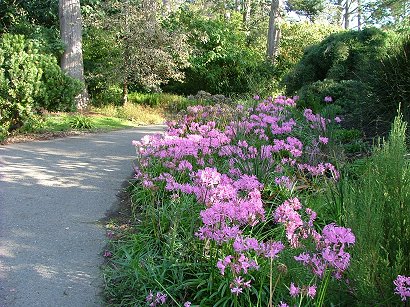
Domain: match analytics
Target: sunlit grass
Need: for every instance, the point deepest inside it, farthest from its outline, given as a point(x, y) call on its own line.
point(137, 114)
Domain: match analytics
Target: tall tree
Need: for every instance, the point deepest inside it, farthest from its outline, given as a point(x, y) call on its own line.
point(274, 30)
point(71, 35)
point(246, 13)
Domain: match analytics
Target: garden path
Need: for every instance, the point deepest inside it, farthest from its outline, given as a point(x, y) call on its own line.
point(52, 196)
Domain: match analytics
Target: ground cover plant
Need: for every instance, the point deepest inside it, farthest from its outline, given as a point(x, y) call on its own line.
point(224, 209)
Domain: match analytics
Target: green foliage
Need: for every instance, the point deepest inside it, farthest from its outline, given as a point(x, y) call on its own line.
point(39, 12)
point(222, 60)
point(309, 8)
point(295, 38)
point(33, 124)
point(390, 80)
point(57, 90)
point(20, 80)
point(151, 259)
point(102, 66)
point(341, 56)
point(30, 81)
point(80, 121)
point(170, 102)
point(366, 72)
point(377, 208)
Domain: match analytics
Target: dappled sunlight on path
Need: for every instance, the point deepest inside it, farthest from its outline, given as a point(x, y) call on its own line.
point(52, 196)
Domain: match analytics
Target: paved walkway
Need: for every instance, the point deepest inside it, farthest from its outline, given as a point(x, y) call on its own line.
point(52, 194)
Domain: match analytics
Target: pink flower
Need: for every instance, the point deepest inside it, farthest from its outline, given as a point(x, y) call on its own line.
point(293, 290)
point(323, 140)
point(110, 234)
point(159, 299)
point(338, 119)
point(402, 284)
point(107, 254)
point(311, 291)
point(187, 304)
point(236, 290)
point(328, 99)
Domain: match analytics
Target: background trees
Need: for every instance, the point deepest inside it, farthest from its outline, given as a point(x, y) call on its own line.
point(232, 47)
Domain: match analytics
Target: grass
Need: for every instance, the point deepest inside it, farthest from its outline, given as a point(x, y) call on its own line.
point(135, 113)
point(95, 120)
point(373, 199)
point(63, 122)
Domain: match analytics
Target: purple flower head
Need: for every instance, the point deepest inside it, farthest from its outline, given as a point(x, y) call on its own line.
point(293, 290)
point(107, 254)
point(311, 291)
point(236, 290)
point(161, 298)
point(402, 284)
point(272, 249)
point(328, 99)
point(336, 234)
point(150, 296)
point(187, 304)
point(154, 300)
point(110, 234)
point(323, 140)
point(256, 97)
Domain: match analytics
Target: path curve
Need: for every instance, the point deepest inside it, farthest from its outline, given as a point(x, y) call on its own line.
point(52, 194)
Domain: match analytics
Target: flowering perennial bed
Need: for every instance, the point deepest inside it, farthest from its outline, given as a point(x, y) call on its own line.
point(240, 176)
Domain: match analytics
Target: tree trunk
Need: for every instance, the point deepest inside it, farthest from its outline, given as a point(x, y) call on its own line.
point(273, 31)
point(71, 35)
point(125, 91)
point(126, 53)
point(359, 15)
point(246, 13)
point(347, 15)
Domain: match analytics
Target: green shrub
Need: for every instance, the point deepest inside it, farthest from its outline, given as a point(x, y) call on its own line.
point(110, 95)
point(295, 38)
point(223, 61)
point(366, 72)
point(341, 56)
point(30, 81)
point(103, 61)
point(57, 90)
point(390, 79)
point(20, 80)
point(80, 122)
point(35, 123)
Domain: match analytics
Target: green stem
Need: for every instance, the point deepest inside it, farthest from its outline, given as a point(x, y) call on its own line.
point(270, 284)
point(323, 288)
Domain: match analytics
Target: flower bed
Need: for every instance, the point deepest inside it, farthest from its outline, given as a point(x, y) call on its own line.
point(223, 201)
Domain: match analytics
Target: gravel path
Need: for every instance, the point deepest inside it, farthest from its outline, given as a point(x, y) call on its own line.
point(52, 195)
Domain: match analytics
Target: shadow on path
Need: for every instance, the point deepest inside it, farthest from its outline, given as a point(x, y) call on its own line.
point(52, 194)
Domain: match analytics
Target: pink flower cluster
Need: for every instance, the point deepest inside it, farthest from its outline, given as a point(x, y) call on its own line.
point(402, 284)
point(309, 291)
point(330, 244)
point(317, 121)
point(222, 156)
point(238, 265)
point(155, 300)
